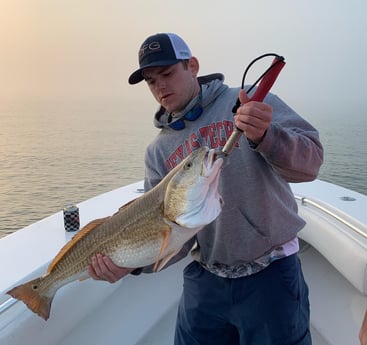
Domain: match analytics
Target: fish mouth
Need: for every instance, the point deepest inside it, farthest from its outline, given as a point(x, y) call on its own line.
point(212, 161)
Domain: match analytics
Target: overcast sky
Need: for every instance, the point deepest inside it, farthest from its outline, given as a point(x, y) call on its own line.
point(83, 49)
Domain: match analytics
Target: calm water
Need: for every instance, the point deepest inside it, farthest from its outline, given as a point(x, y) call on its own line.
point(55, 154)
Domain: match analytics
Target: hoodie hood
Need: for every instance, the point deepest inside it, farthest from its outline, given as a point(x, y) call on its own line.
point(211, 86)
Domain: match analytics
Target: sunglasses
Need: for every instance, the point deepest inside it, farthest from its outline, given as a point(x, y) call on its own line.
point(192, 115)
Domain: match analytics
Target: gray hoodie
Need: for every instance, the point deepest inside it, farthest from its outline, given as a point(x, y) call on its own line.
point(259, 211)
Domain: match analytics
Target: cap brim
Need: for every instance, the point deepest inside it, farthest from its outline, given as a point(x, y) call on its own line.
point(137, 76)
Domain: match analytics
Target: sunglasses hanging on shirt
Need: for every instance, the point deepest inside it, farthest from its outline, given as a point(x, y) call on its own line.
point(191, 115)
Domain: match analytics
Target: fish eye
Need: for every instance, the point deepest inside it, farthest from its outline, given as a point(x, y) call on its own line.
point(188, 165)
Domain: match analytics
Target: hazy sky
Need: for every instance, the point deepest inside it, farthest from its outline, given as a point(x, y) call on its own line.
point(83, 49)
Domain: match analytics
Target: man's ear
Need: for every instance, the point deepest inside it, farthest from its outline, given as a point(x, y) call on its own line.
point(194, 66)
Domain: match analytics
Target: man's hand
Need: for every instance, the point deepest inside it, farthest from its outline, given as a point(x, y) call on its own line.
point(253, 118)
point(363, 331)
point(102, 268)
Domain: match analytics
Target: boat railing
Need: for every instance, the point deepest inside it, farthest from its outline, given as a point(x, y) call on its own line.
point(7, 304)
point(348, 221)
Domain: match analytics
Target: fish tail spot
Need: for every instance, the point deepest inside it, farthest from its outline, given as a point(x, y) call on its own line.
point(29, 293)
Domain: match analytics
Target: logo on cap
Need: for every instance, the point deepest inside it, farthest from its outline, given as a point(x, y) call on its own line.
point(149, 48)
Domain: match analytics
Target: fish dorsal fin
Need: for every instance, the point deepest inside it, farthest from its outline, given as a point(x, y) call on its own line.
point(83, 232)
point(125, 205)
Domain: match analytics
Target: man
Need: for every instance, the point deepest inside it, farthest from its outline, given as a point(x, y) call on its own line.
point(245, 285)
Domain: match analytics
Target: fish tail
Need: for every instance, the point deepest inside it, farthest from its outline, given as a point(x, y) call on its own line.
point(30, 294)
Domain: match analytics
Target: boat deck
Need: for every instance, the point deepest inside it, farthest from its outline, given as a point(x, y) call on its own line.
point(112, 314)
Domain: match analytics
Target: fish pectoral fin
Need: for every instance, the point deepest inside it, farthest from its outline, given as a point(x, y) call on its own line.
point(165, 260)
point(166, 235)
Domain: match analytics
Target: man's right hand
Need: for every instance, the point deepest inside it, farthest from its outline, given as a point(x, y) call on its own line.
point(103, 268)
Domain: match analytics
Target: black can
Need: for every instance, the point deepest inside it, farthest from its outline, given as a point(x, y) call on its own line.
point(71, 218)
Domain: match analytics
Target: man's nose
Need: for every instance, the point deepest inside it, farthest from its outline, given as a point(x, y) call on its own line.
point(160, 84)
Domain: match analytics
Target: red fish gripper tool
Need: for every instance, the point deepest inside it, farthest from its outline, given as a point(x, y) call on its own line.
point(261, 91)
